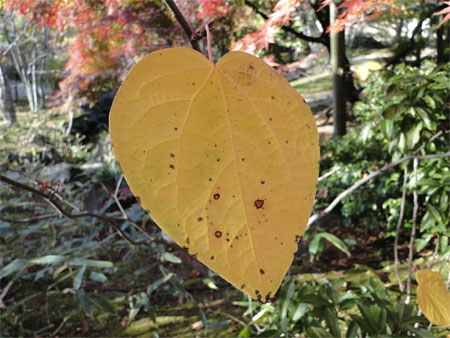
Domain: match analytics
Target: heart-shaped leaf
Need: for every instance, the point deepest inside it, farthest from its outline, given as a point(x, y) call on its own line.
point(225, 157)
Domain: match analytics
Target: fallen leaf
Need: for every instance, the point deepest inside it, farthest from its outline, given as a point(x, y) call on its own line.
point(224, 157)
point(432, 298)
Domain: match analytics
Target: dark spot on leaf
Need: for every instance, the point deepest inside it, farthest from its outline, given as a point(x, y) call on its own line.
point(304, 101)
point(251, 67)
point(231, 245)
point(259, 204)
point(187, 240)
point(273, 97)
point(281, 243)
point(297, 238)
point(259, 297)
point(287, 141)
point(160, 53)
point(215, 145)
point(178, 224)
point(200, 219)
point(171, 166)
point(234, 196)
point(261, 271)
point(216, 196)
point(268, 297)
point(270, 119)
point(268, 142)
point(212, 257)
point(242, 286)
point(210, 179)
point(138, 199)
point(227, 239)
point(193, 83)
point(257, 292)
point(236, 237)
point(276, 238)
point(175, 128)
point(172, 155)
point(228, 234)
point(218, 234)
point(218, 160)
point(243, 159)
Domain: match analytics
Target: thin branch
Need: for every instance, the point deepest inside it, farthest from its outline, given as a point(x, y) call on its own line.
point(413, 231)
point(328, 174)
point(399, 224)
point(289, 29)
point(369, 178)
point(115, 222)
point(28, 220)
point(183, 23)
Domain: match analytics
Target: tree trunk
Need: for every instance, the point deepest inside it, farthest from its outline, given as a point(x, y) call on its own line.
point(337, 52)
point(6, 101)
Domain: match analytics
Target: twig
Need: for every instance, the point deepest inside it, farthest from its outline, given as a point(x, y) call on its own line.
point(119, 205)
point(184, 24)
point(436, 250)
point(28, 220)
point(399, 223)
point(369, 178)
point(111, 220)
point(208, 40)
point(331, 172)
point(413, 232)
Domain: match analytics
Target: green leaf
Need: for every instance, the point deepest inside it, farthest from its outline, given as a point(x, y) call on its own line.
point(12, 267)
point(170, 258)
point(402, 142)
point(49, 259)
point(314, 300)
point(314, 246)
point(149, 307)
point(424, 116)
point(209, 283)
point(299, 312)
point(245, 333)
point(98, 277)
point(413, 135)
point(435, 213)
point(390, 111)
point(352, 330)
point(336, 242)
point(420, 332)
point(81, 295)
point(158, 283)
point(429, 101)
point(79, 277)
point(91, 263)
point(332, 322)
point(285, 300)
point(317, 332)
point(387, 128)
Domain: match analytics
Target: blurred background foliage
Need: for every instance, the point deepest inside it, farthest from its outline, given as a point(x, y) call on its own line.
point(79, 256)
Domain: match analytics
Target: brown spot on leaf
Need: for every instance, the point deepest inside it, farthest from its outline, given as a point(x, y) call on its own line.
point(187, 240)
point(193, 83)
point(218, 160)
point(267, 297)
point(172, 166)
point(175, 128)
point(251, 67)
point(242, 286)
point(210, 179)
point(199, 219)
point(273, 97)
point(297, 238)
point(257, 292)
point(216, 196)
point(138, 199)
point(218, 234)
point(172, 155)
point(227, 239)
point(259, 297)
point(261, 271)
point(236, 237)
point(243, 159)
point(212, 257)
point(259, 204)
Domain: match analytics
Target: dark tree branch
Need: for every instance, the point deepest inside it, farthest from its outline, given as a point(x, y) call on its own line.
point(289, 28)
point(114, 221)
point(28, 220)
point(412, 41)
point(368, 178)
point(184, 24)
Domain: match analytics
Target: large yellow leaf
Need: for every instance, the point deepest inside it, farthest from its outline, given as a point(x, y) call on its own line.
point(224, 157)
point(432, 298)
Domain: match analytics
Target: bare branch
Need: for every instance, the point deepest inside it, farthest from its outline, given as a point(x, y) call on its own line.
point(184, 24)
point(28, 220)
point(413, 232)
point(369, 178)
point(115, 222)
point(399, 223)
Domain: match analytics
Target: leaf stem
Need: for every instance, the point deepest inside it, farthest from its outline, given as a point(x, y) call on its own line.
point(208, 39)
